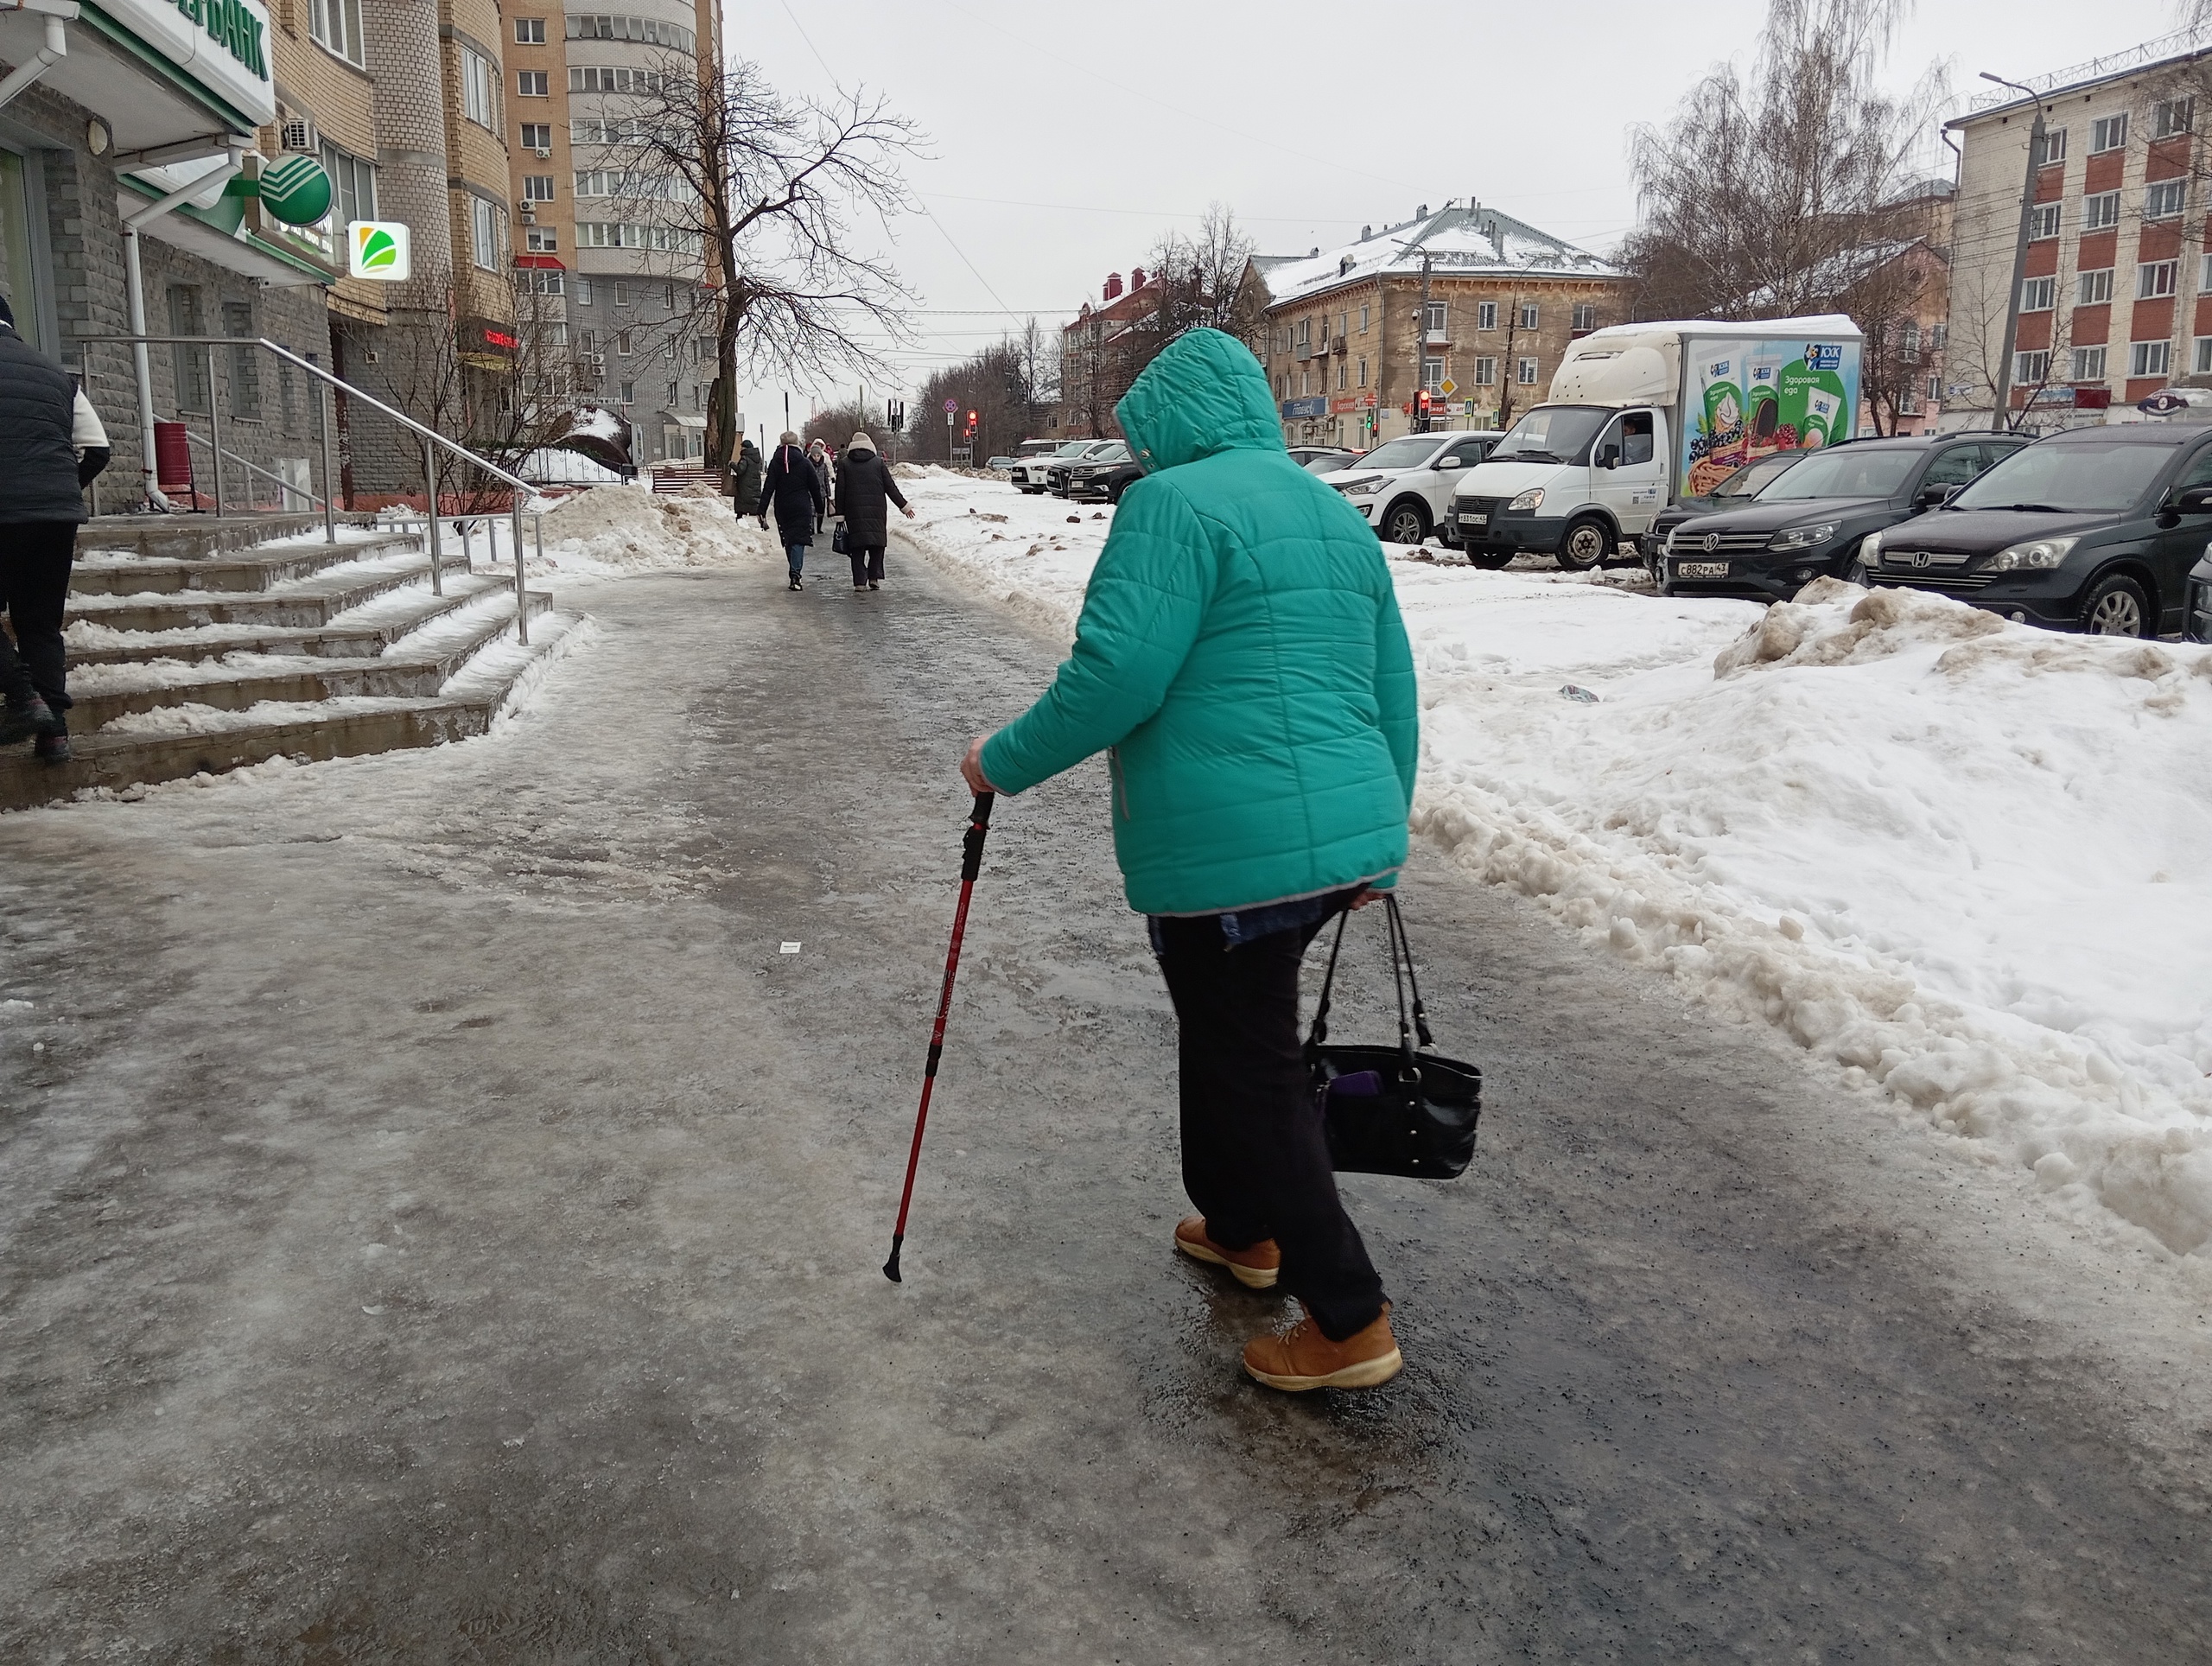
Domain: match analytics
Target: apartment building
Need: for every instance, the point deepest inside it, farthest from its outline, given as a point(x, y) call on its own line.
point(601, 272)
point(1101, 352)
point(2116, 302)
point(1348, 347)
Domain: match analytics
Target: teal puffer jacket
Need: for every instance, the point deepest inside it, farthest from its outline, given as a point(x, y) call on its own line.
point(1241, 651)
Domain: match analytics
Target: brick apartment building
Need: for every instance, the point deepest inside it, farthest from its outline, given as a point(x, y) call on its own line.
point(2117, 299)
point(1101, 352)
point(1345, 349)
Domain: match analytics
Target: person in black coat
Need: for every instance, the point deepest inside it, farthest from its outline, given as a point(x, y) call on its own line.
point(818, 455)
point(745, 478)
point(865, 490)
point(793, 490)
point(52, 445)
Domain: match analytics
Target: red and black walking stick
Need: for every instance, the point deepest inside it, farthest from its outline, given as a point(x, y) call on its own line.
point(971, 864)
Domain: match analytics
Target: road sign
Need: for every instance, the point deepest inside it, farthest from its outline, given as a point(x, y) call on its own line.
point(951, 405)
point(1449, 386)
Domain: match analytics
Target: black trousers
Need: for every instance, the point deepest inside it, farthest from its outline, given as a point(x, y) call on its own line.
point(35, 561)
point(1254, 1159)
point(867, 564)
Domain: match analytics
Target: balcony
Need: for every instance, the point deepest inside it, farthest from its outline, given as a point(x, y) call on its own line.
point(1436, 337)
point(1337, 347)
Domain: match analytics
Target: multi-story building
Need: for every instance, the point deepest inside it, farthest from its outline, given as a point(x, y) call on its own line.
point(1100, 354)
point(2116, 300)
point(1348, 348)
point(600, 265)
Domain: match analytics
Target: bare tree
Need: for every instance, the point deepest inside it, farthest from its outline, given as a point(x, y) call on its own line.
point(758, 193)
point(1757, 185)
point(1201, 279)
point(1976, 346)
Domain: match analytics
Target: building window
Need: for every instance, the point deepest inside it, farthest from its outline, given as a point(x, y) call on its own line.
point(606, 129)
point(2031, 367)
point(2037, 295)
point(1485, 315)
point(1525, 373)
point(1912, 339)
point(537, 135)
point(609, 78)
point(2101, 211)
point(646, 29)
point(1343, 376)
point(2172, 116)
point(2051, 147)
point(1363, 321)
point(2148, 358)
point(1527, 314)
point(1939, 337)
point(2154, 278)
point(245, 360)
point(541, 241)
point(530, 84)
point(1486, 373)
point(2164, 199)
point(1934, 389)
point(189, 364)
point(538, 188)
point(2093, 288)
point(583, 292)
point(2204, 355)
point(1585, 315)
point(484, 233)
point(1431, 374)
point(2088, 365)
point(475, 87)
point(1363, 372)
point(538, 280)
point(530, 31)
point(337, 24)
point(629, 393)
point(1305, 382)
point(2108, 133)
point(1433, 320)
point(2043, 221)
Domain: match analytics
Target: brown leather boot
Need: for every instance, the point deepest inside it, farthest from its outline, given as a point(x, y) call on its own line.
point(1256, 1266)
point(1301, 1357)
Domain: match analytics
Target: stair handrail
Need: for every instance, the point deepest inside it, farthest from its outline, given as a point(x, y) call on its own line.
point(313, 498)
point(432, 442)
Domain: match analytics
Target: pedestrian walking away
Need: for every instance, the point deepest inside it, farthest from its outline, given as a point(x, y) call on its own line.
point(818, 455)
point(793, 490)
point(1241, 660)
point(745, 478)
point(53, 446)
point(866, 492)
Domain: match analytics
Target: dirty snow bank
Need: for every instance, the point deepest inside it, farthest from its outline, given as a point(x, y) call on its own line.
point(1965, 862)
point(626, 529)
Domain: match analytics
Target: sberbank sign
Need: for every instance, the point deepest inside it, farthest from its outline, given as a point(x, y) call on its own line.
point(233, 28)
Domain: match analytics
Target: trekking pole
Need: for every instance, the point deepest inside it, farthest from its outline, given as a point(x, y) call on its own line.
point(971, 864)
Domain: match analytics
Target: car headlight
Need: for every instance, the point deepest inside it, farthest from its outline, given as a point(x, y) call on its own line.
point(2034, 554)
point(1532, 498)
point(1671, 532)
point(1801, 538)
point(1870, 550)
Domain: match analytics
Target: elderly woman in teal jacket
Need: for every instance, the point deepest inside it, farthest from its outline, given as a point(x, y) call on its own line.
point(1241, 659)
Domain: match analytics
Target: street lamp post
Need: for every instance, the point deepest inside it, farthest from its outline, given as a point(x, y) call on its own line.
point(2002, 418)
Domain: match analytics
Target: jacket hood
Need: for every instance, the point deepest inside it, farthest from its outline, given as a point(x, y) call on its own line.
point(1205, 393)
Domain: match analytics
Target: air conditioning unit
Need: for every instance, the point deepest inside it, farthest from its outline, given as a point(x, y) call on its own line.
point(297, 133)
point(526, 212)
point(544, 153)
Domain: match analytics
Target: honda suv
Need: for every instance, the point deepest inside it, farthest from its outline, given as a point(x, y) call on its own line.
point(2091, 529)
point(1811, 521)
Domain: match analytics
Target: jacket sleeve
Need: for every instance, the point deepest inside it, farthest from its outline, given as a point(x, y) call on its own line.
point(1398, 695)
point(1141, 614)
point(890, 485)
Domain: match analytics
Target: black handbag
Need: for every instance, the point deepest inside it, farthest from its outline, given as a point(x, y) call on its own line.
point(837, 539)
point(1392, 1110)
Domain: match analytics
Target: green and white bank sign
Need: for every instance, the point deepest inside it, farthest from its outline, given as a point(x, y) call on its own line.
point(223, 45)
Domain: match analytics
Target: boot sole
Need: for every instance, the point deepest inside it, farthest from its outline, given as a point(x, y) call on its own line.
point(1252, 1278)
point(1365, 1374)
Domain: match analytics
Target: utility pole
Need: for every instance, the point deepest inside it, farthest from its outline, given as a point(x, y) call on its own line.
point(2001, 419)
point(1420, 345)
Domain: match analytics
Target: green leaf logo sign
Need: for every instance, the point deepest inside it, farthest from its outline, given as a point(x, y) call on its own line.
point(379, 251)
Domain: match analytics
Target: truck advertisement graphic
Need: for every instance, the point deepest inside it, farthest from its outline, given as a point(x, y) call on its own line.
point(1749, 398)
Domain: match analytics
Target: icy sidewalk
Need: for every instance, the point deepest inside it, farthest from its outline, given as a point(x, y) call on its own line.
point(1965, 862)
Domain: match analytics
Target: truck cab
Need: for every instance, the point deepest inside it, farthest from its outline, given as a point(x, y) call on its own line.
point(1572, 481)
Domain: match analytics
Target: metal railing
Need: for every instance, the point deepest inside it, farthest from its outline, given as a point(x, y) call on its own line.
point(433, 443)
point(291, 488)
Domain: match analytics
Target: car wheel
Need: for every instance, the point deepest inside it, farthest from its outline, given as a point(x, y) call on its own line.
point(2118, 607)
point(1588, 541)
point(1490, 560)
point(1405, 522)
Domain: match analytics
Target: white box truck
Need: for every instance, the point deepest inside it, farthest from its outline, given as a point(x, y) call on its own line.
point(1640, 415)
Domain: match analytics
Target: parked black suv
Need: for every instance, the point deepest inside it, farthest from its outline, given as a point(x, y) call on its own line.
point(2093, 529)
point(1734, 492)
point(1811, 521)
point(1072, 479)
point(2198, 625)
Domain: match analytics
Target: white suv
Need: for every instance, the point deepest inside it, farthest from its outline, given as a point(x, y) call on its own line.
point(1029, 471)
point(1404, 485)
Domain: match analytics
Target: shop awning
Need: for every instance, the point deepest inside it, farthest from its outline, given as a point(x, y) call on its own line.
point(153, 73)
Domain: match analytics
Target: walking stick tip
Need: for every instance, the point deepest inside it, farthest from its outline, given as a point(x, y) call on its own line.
point(890, 1266)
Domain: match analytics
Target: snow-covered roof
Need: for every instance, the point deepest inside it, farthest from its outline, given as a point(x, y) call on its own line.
point(1836, 274)
point(1461, 242)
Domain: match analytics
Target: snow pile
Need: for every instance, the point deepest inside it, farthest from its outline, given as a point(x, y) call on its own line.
point(1966, 863)
point(626, 529)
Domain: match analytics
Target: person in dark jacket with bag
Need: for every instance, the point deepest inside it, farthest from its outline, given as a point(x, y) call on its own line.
point(745, 478)
point(53, 446)
point(818, 455)
point(865, 493)
point(1241, 660)
point(794, 491)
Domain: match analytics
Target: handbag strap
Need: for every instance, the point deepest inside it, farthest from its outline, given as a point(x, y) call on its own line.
point(1320, 1031)
point(1400, 980)
point(1420, 1013)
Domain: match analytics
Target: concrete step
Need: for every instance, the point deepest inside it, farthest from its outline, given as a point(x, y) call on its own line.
point(398, 614)
point(110, 573)
point(120, 761)
point(397, 673)
point(196, 538)
point(310, 602)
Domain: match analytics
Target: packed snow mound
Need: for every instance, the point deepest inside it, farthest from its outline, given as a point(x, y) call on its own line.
point(620, 529)
point(1833, 623)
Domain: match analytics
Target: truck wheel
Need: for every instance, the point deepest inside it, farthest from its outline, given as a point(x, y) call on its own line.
point(1490, 560)
point(1405, 522)
point(1588, 540)
point(2117, 607)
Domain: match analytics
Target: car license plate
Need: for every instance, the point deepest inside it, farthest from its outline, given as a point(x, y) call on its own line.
point(1701, 569)
point(1474, 520)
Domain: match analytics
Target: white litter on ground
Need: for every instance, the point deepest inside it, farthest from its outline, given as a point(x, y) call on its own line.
point(620, 529)
point(1967, 864)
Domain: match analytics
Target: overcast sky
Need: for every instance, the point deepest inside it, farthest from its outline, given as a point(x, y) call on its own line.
point(1064, 138)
